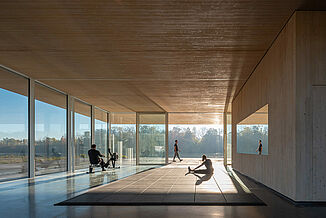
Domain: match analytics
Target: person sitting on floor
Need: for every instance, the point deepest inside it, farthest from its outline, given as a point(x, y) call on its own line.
point(208, 164)
point(95, 157)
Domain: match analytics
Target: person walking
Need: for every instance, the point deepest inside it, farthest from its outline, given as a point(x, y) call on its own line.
point(176, 151)
point(260, 148)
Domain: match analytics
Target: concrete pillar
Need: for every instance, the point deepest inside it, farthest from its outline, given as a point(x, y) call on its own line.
point(31, 129)
point(166, 138)
point(70, 134)
point(225, 151)
point(120, 144)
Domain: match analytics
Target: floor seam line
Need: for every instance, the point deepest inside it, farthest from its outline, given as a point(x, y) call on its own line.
point(219, 188)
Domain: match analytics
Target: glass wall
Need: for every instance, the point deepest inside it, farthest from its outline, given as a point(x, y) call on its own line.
point(196, 140)
point(50, 130)
point(197, 134)
point(50, 121)
point(101, 131)
point(151, 138)
point(252, 130)
point(123, 137)
point(82, 134)
point(13, 126)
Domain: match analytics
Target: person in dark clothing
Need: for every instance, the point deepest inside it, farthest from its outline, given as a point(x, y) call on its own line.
point(95, 157)
point(176, 151)
point(113, 158)
point(260, 148)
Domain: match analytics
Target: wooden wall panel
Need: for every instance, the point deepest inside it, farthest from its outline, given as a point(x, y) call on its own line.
point(272, 83)
point(311, 71)
point(319, 143)
point(291, 79)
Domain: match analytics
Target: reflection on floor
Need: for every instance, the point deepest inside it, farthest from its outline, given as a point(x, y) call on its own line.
point(170, 185)
point(36, 198)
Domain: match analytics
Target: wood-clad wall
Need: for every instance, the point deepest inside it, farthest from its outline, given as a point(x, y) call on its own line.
point(310, 105)
point(291, 79)
point(272, 83)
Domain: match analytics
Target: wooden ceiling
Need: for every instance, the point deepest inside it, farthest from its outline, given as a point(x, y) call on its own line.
point(144, 55)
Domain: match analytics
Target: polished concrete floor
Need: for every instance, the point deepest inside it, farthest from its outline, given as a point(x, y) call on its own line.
point(35, 198)
point(172, 185)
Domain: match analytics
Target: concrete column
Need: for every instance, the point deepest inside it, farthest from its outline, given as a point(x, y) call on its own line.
point(113, 149)
point(70, 133)
point(108, 134)
point(166, 138)
point(31, 129)
point(137, 138)
point(120, 144)
point(225, 150)
point(228, 138)
point(92, 124)
point(130, 154)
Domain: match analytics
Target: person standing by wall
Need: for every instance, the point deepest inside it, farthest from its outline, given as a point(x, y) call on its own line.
point(260, 148)
point(176, 151)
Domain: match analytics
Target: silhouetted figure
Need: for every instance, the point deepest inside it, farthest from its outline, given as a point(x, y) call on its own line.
point(95, 157)
point(207, 176)
point(57, 156)
point(113, 158)
point(207, 163)
point(176, 151)
point(260, 148)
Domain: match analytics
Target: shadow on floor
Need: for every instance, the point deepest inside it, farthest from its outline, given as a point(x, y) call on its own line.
point(171, 186)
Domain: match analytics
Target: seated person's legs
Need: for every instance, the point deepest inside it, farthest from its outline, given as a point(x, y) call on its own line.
point(102, 164)
point(106, 164)
point(206, 171)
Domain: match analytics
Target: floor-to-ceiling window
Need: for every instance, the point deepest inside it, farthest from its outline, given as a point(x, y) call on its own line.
point(101, 131)
point(13, 126)
point(50, 130)
point(82, 133)
point(152, 138)
point(123, 136)
point(197, 134)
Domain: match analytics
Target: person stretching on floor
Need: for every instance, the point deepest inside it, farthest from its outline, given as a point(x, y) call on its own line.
point(208, 164)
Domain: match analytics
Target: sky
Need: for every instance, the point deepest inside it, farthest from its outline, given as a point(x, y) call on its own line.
point(13, 115)
point(50, 120)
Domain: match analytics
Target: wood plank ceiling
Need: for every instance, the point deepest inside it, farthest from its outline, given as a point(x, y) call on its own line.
point(144, 55)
